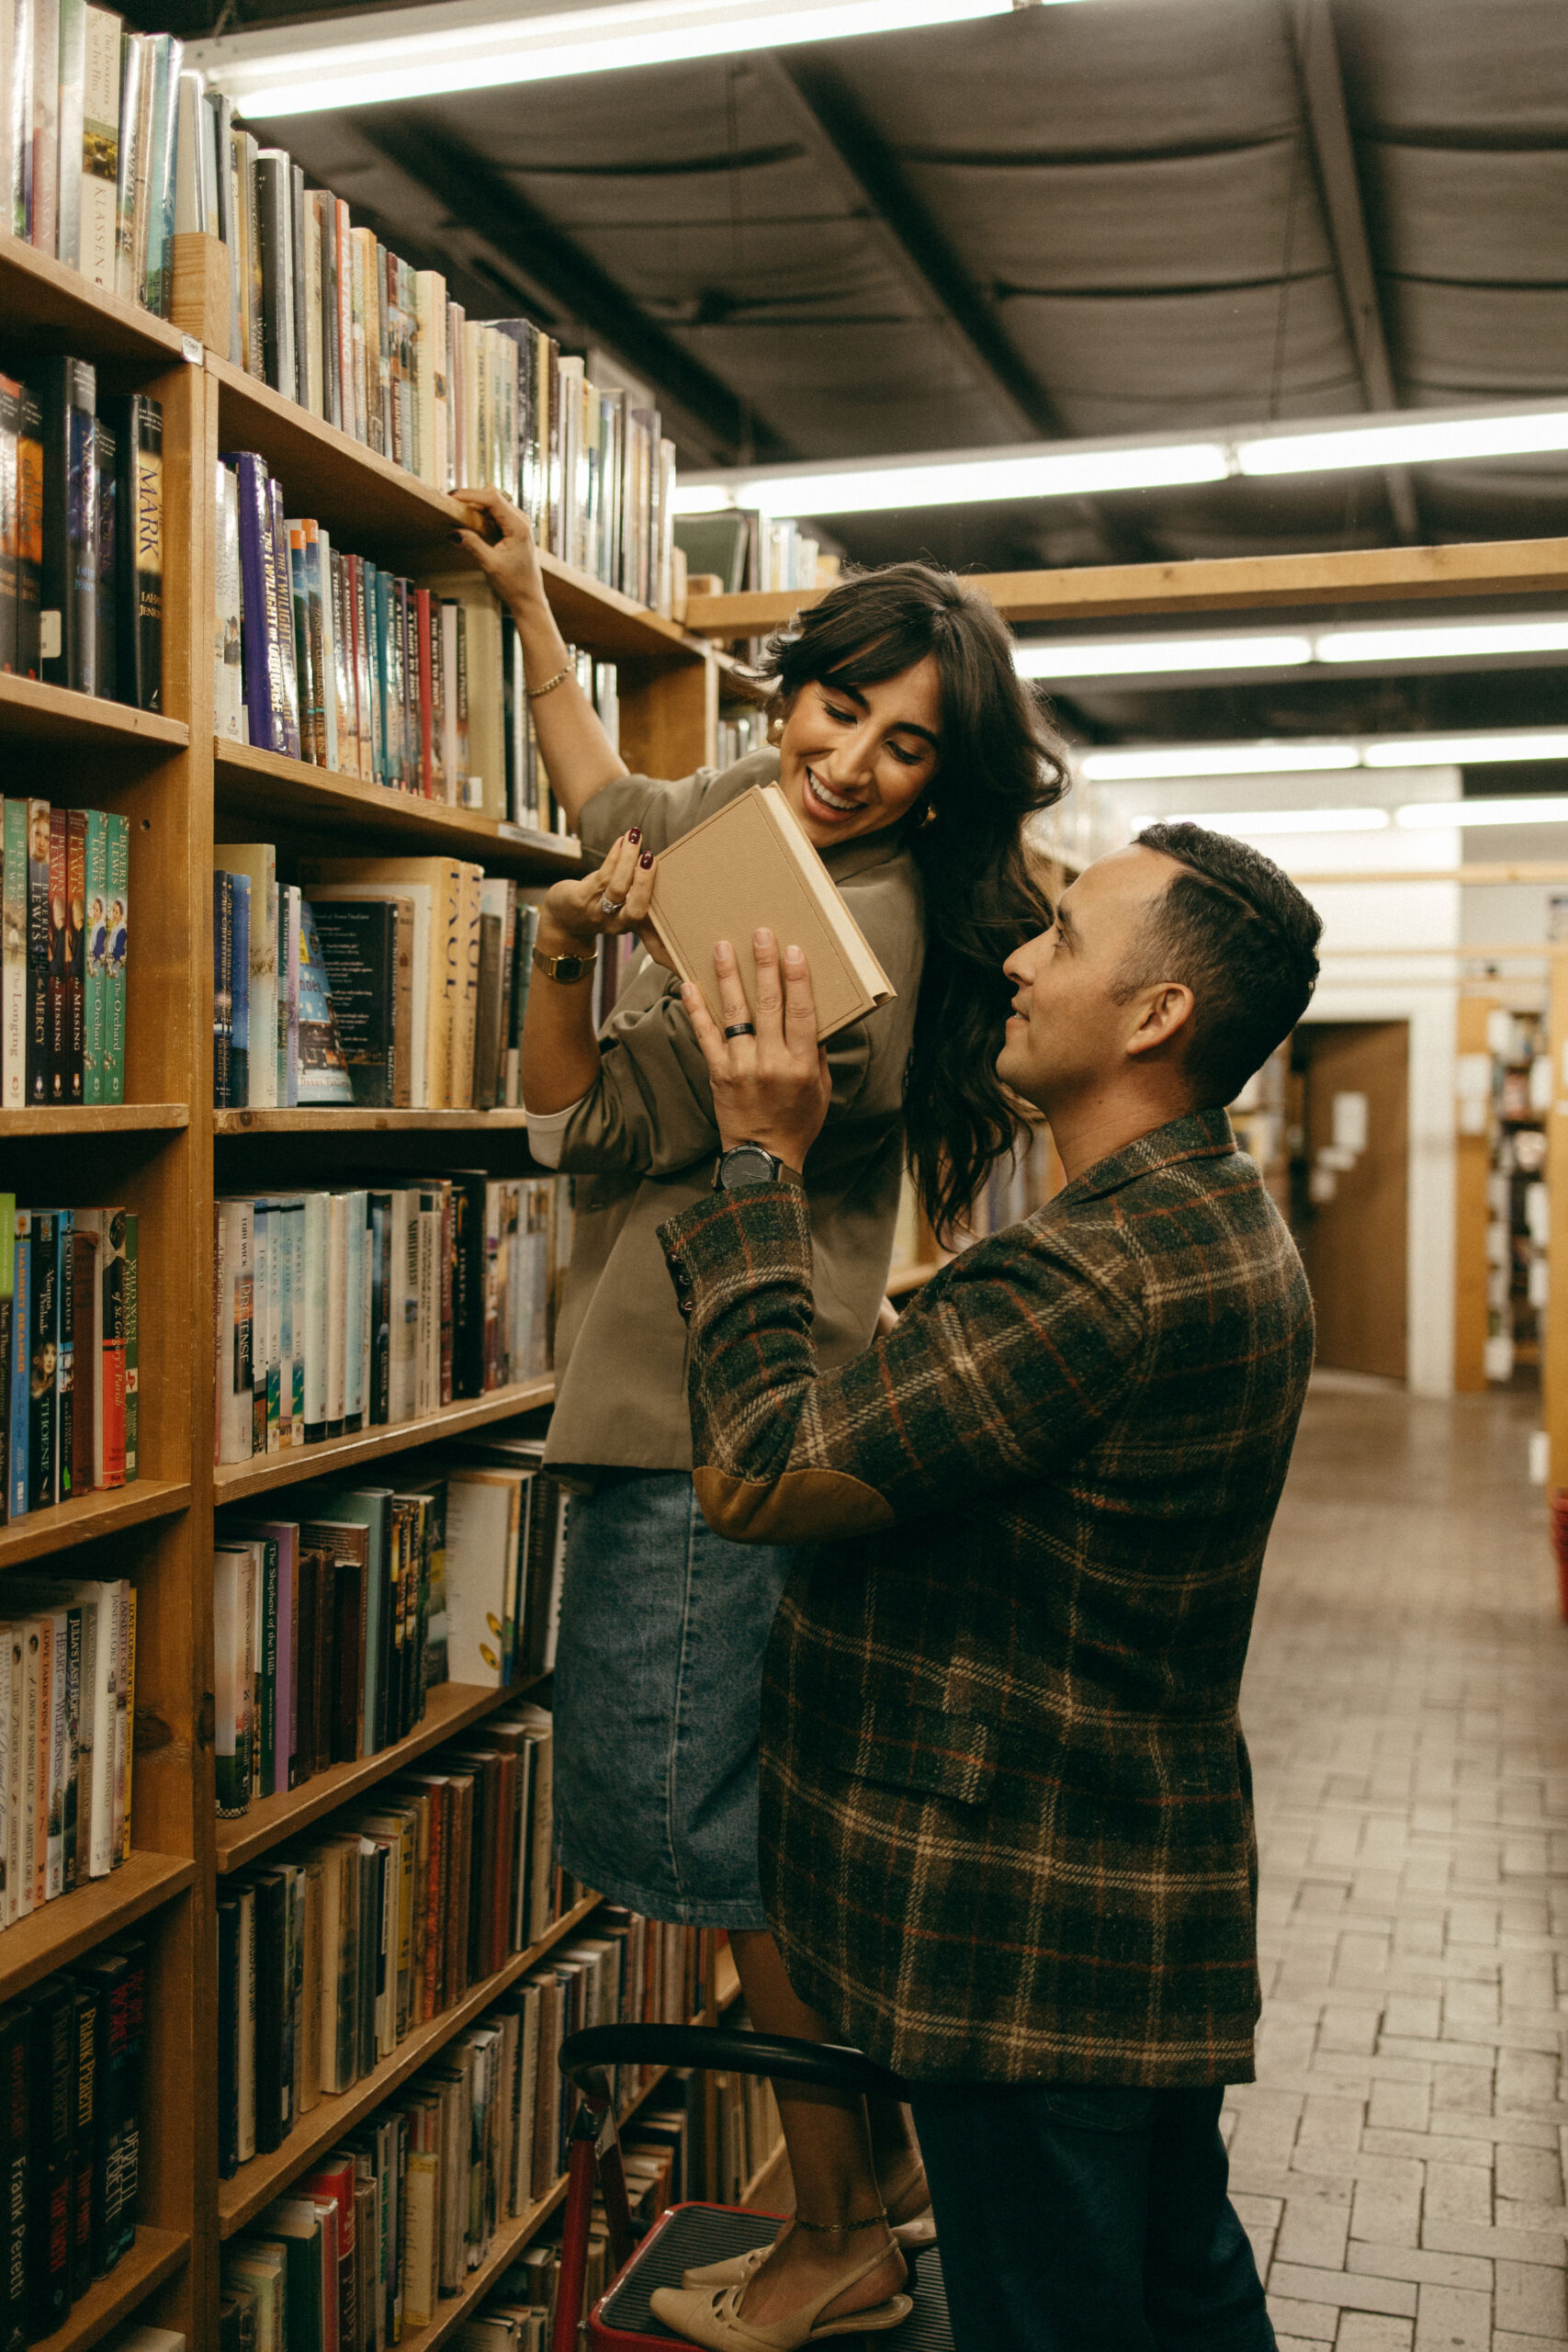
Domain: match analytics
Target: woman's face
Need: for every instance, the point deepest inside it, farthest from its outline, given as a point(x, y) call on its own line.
point(854, 759)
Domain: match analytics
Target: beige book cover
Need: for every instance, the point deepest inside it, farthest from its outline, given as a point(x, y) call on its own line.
point(445, 878)
point(751, 865)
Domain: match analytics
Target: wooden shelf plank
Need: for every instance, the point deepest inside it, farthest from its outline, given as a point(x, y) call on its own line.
point(73, 1923)
point(34, 712)
point(233, 1481)
point(327, 1118)
point(103, 1512)
point(506, 2247)
point(95, 1119)
point(264, 2178)
point(364, 497)
point(268, 784)
point(449, 1708)
point(1224, 583)
point(47, 301)
point(155, 2256)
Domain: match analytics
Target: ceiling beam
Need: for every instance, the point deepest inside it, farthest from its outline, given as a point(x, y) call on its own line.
point(526, 249)
point(873, 187)
point(1322, 90)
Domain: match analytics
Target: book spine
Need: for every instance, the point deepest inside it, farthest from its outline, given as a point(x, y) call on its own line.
point(133, 1367)
point(288, 676)
point(100, 154)
point(65, 1353)
point(29, 534)
point(223, 986)
point(59, 912)
point(10, 424)
point(105, 458)
point(14, 1092)
point(96, 942)
point(18, 1403)
point(142, 603)
point(118, 934)
point(75, 978)
point(263, 687)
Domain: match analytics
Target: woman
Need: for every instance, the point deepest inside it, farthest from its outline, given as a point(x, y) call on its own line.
point(912, 755)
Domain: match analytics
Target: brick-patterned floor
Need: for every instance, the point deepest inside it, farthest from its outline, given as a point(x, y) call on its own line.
point(1400, 2160)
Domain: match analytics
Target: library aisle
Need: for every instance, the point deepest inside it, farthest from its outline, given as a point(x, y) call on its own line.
point(1399, 2162)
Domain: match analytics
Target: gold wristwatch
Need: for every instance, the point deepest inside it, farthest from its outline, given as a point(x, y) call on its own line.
point(565, 969)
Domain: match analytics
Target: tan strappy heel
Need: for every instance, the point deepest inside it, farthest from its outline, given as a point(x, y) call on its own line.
point(712, 2317)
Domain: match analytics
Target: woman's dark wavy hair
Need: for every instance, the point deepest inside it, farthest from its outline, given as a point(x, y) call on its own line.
point(999, 765)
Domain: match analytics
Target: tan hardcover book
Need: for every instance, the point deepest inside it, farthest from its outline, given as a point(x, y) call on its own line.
point(751, 865)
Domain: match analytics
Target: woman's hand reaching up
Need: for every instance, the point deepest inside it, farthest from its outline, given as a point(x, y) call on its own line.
point(770, 1081)
point(501, 544)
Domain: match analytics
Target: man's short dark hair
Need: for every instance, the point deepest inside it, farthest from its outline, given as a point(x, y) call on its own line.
point(1240, 936)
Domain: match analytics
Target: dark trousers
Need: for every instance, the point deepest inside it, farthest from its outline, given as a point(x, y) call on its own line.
point(1079, 2220)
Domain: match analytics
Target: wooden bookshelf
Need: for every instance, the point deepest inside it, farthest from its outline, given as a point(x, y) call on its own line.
point(330, 1119)
point(41, 714)
point(450, 1708)
point(48, 305)
point(264, 2178)
point(105, 1512)
point(94, 1119)
point(233, 1481)
point(154, 2255)
point(60, 1932)
point(267, 788)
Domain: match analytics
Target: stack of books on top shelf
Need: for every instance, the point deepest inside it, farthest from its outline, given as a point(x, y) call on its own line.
point(746, 551)
point(69, 2134)
point(385, 982)
point(69, 1354)
point(67, 1703)
point(351, 1310)
point(108, 149)
point(65, 892)
point(334, 1623)
point(81, 534)
point(340, 1948)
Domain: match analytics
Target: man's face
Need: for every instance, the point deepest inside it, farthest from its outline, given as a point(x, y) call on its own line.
point(1067, 1029)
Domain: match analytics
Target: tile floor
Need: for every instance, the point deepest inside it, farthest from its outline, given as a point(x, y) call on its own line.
point(1400, 2160)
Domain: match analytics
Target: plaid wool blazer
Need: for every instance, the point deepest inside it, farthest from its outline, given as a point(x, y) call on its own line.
point(1007, 1817)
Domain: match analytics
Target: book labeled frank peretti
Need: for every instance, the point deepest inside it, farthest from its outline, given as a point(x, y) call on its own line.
point(751, 864)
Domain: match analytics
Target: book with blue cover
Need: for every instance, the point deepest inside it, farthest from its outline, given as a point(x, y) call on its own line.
point(324, 1072)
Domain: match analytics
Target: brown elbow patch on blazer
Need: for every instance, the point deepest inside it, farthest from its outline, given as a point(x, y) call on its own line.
point(799, 1507)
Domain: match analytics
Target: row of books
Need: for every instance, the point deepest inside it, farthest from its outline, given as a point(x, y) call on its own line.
point(64, 927)
point(71, 2053)
point(391, 2225)
point(739, 736)
point(346, 1943)
point(70, 1353)
point(389, 982)
point(331, 1626)
point(88, 139)
point(325, 657)
point(67, 1703)
point(358, 1309)
point(81, 533)
point(745, 550)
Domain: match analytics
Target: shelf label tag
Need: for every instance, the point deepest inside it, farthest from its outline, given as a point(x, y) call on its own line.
point(191, 351)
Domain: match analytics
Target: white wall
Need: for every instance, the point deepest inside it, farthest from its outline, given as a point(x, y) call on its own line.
point(1387, 955)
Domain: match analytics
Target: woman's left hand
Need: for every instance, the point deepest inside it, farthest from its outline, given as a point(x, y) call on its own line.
point(615, 898)
point(770, 1083)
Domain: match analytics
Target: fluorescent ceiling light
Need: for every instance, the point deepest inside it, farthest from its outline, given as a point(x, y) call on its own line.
point(1407, 441)
point(1464, 751)
point(1127, 656)
point(1253, 823)
point(1064, 473)
point(1548, 809)
point(484, 44)
point(1441, 641)
point(1081, 469)
point(1216, 759)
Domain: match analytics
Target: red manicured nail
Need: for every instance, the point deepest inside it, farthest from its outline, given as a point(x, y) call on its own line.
point(635, 833)
point(646, 858)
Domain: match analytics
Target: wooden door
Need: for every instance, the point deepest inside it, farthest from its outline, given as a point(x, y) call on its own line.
point(1357, 1148)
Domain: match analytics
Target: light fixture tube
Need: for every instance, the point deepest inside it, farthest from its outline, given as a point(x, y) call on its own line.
point(1443, 642)
point(1215, 758)
point(1064, 473)
point(431, 50)
point(1464, 751)
point(1130, 656)
point(1548, 809)
point(1255, 823)
point(1406, 441)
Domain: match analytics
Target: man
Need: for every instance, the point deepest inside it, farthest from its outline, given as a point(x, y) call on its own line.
point(1007, 1828)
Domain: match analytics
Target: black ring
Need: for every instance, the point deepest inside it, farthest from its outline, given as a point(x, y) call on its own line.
point(740, 1029)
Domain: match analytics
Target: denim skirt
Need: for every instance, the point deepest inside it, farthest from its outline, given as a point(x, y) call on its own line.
point(658, 1694)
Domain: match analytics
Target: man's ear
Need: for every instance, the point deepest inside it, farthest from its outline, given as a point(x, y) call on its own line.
point(1167, 1016)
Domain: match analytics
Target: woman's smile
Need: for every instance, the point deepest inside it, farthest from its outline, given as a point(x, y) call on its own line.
point(826, 805)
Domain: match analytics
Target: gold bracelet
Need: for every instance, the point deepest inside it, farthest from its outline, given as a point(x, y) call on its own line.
point(532, 692)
